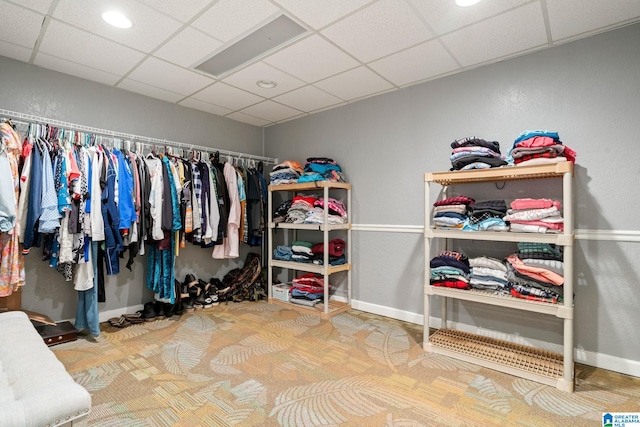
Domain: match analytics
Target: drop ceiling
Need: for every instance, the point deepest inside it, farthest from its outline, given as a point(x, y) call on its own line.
point(353, 49)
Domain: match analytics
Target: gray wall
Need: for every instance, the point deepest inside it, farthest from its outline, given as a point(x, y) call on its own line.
point(33, 90)
point(588, 91)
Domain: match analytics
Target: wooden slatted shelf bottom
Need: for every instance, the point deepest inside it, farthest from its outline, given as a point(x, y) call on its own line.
point(335, 307)
point(514, 359)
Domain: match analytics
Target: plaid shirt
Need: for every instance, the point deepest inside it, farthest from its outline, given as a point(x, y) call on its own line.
point(197, 192)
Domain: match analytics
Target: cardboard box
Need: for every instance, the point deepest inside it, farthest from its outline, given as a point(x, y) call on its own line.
point(281, 291)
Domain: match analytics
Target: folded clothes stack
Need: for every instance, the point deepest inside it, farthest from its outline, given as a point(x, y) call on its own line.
point(476, 153)
point(322, 169)
point(451, 212)
point(300, 206)
point(286, 172)
point(536, 147)
point(308, 286)
point(535, 216)
point(450, 269)
point(489, 274)
point(486, 215)
point(337, 212)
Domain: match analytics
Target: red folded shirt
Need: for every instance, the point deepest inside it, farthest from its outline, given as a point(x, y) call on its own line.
point(336, 247)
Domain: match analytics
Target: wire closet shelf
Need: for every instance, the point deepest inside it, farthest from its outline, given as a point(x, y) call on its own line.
point(140, 141)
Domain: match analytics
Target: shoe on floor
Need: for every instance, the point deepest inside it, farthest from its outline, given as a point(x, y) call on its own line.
point(158, 306)
point(204, 299)
point(149, 312)
point(217, 283)
point(189, 283)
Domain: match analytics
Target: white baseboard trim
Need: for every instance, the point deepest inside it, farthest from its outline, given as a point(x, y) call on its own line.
point(103, 316)
point(106, 315)
point(598, 360)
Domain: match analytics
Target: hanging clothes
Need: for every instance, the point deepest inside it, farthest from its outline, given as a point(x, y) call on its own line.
point(11, 257)
point(230, 247)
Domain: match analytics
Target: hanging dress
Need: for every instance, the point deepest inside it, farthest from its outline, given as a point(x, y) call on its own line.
point(11, 260)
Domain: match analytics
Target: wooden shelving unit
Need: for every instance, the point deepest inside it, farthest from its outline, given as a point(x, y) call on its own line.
point(531, 363)
point(329, 307)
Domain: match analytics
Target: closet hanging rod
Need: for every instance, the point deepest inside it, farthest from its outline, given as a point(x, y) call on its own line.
point(27, 119)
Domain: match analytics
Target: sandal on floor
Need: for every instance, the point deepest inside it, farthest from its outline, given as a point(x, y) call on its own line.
point(119, 322)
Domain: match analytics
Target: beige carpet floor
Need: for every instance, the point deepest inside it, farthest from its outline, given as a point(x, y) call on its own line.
point(257, 364)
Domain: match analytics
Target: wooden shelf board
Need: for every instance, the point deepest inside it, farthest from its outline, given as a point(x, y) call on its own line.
point(305, 186)
point(504, 173)
point(308, 267)
point(314, 227)
point(488, 297)
point(500, 236)
point(335, 307)
point(526, 362)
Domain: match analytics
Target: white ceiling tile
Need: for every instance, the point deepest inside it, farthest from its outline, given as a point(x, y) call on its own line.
point(246, 79)
point(319, 13)
point(180, 10)
point(16, 52)
point(19, 26)
point(151, 91)
point(205, 106)
point(245, 118)
point(569, 18)
point(227, 96)
point(82, 71)
point(271, 111)
point(308, 98)
point(378, 30)
point(494, 38)
point(150, 27)
point(188, 47)
point(421, 62)
point(158, 73)
point(354, 84)
point(78, 46)
point(228, 19)
point(41, 6)
point(312, 59)
point(446, 16)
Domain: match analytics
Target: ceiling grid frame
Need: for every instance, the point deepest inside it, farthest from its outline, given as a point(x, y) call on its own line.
point(307, 92)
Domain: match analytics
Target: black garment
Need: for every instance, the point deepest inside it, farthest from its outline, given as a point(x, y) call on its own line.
point(224, 203)
point(478, 142)
point(144, 223)
point(167, 208)
point(494, 162)
point(100, 272)
point(451, 259)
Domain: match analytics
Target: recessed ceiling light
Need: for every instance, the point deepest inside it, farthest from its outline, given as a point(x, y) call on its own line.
point(465, 3)
point(266, 84)
point(117, 19)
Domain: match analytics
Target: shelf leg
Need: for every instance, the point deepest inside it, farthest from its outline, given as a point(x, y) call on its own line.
point(425, 331)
